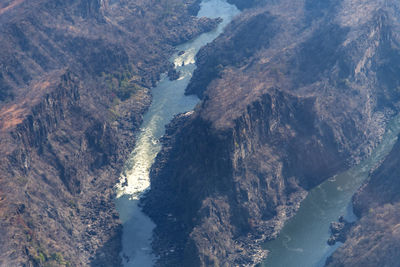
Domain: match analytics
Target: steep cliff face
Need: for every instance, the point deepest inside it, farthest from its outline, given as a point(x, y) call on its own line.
point(55, 161)
point(74, 79)
point(237, 182)
point(374, 239)
point(253, 34)
point(303, 98)
point(43, 36)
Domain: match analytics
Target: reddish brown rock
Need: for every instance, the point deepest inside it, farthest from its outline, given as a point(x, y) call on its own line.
point(74, 79)
point(293, 93)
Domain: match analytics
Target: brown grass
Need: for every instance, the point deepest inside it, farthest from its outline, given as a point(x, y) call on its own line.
point(10, 117)
point(11, 5)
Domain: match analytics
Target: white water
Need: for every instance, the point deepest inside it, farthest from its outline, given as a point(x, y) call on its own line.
point(303, 240)
point(168, 100)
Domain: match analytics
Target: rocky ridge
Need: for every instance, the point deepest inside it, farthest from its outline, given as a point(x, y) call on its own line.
point(306, 95)
point(74, 79)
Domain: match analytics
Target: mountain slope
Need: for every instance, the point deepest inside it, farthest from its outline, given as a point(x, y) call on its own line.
point(74, 79)
point(306, 94)
point(374, 239)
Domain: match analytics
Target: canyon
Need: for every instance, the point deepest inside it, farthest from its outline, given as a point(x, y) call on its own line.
point(292, 95)
point(373, 239)
point(74, 84)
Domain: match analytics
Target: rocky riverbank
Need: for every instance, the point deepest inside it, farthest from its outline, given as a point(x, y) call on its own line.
point(306, 95)
point(373, 239)
point(74, 84)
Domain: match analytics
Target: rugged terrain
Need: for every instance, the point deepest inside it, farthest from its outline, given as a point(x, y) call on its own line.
point(74, 79)
point(374, 239)
point(292, 93)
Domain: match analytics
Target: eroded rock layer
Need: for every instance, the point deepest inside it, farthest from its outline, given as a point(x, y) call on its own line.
point(74, 83)
point(374, 239)
point(293, 93)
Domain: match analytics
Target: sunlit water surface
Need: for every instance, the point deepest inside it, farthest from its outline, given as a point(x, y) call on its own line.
point(168, 100)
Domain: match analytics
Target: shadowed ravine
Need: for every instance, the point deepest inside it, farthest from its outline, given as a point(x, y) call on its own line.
point(303, 240)
point(168, 100)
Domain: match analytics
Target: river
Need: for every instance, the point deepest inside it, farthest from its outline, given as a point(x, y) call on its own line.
point(168, 100)
point(303, 240)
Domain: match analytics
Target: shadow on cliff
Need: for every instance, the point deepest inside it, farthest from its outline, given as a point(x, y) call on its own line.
point(108, 254)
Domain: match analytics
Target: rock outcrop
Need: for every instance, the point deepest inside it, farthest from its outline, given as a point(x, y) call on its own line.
point(339, 231)
point(374, 239)
point(74, 79)
point(306, 94)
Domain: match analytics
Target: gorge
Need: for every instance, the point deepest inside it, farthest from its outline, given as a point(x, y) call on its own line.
point(303, 240)
point(292, 93)
point(168, 100)
point(199, 133)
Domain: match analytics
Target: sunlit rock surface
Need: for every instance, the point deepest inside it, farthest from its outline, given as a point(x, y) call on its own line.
point(293, 93)
point(74, 84)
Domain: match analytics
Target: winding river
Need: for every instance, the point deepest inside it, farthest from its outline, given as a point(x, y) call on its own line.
point(303, 240)
point(168, 100)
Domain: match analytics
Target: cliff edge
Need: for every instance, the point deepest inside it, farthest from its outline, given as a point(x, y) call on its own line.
point(292, 93)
